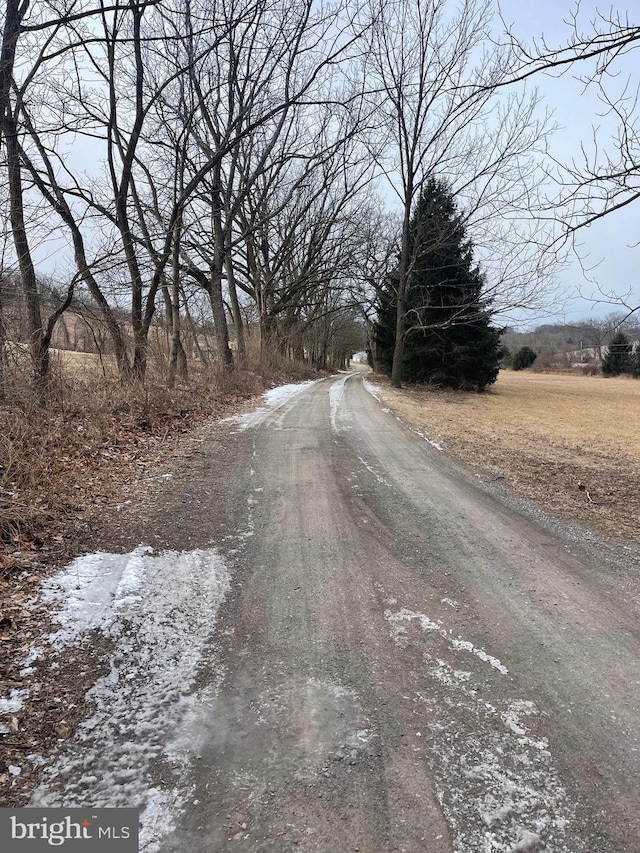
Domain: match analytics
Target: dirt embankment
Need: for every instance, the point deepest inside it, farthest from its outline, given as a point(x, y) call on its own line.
point(570, 443)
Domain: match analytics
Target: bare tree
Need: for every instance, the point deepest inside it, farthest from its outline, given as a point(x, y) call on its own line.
point(50, 36)
point(39, 352)
point(241, 75)
point(603, 177)
point(298, 236)
point(43, 114)
point(435, 83)
point(375, 257)
point(255, 106)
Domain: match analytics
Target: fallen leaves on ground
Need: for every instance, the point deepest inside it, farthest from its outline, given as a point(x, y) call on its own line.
point(91, 464)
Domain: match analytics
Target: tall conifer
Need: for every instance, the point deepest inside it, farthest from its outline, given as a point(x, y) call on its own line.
point(449, 338)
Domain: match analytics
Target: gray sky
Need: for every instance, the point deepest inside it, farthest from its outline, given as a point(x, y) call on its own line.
point(606, 247)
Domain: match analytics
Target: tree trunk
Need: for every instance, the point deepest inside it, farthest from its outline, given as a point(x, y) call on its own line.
point(177, 357)
point(39, 352)
point(265, 332)
point(168, 306)
point(235, 307)
point(178, 365)
point(401, 306)
point(215, 280)
point(398, 350)
point(214, 290)
point(373, 346)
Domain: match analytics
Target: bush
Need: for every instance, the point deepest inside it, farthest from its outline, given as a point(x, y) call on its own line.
point(619, 358)
point(506, 357)
point(524, 358)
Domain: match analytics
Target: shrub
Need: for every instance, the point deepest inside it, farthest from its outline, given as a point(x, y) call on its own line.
point(524, 358)
point(619, 358)
point(506, 357)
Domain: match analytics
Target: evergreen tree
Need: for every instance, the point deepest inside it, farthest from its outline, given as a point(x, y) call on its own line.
point(449, 339)
point(524, 358)
point(506, 357)
point(619, 357)
point(384, 328)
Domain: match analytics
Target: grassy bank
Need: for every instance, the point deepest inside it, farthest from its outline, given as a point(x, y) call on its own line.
point(66, 462)
point(544, 435)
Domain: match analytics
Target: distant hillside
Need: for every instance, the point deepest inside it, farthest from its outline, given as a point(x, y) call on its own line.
point(561, 345)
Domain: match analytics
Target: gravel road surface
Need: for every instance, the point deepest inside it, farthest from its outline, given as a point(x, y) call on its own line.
point(412, 665)
point(405, 661)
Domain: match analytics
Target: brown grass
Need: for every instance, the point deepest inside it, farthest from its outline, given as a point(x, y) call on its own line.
point(67, 460)
point(543, 435)
point(64, 467)
point(82, 364)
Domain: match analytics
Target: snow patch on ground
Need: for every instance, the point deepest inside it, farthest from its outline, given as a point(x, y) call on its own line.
point(272, 400)
point(158, 609)
point(14, 701)
point(371, 470)
point(495, 780)
point(469, 647)
point(398, 631)
point(372, 389)
point(336, 395)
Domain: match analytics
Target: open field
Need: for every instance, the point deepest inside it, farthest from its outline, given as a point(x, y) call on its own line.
point(69, 364)
point(543, 435)
point(83, 363)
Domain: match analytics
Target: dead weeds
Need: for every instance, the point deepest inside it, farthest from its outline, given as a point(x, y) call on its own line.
point(63, 467)
point(62, 463)
point(46, 715)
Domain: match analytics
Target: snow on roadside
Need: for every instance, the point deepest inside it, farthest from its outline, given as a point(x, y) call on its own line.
point(272, 400)
point(427, 439)
point(496, 782)
point(371, 388)
point(158, 609)
point(336, 395)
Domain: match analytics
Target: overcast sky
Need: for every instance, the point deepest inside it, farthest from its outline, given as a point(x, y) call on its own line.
point(607, 247)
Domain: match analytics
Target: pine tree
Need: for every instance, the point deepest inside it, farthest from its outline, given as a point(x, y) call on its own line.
point(384, 328)
point(449, 339)
point(619, 357)
point(524, 358)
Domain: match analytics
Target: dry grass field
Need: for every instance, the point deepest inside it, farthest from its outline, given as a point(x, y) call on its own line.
point(543, 435)
point(82, 363)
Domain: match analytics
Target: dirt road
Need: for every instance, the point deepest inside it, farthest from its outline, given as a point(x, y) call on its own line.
point(404, 662)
